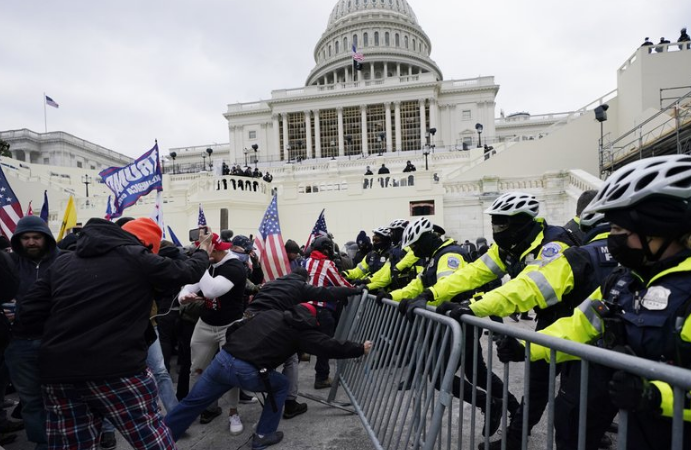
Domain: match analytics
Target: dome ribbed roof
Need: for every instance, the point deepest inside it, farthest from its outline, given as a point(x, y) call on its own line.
point(346, 7)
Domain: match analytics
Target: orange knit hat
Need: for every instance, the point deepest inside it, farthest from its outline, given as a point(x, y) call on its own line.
point(147, 231)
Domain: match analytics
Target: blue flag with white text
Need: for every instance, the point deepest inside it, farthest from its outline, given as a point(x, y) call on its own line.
point(133, 181)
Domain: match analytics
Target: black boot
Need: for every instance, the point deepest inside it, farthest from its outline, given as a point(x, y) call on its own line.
point(293, 408)
point(493, 419)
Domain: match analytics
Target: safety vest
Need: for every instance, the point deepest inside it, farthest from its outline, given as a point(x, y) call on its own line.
point(429, 273)
point(550, 233)
point(653, 315)
point(376, 259)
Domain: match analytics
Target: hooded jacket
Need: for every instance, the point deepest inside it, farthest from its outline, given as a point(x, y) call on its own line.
point(30, 271)
point(269, 338)
point(92, 307)
point(290, 290)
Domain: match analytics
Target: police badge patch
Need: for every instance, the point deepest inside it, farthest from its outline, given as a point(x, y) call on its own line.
point(656, 299)
point(550, 251)
point(453, 262)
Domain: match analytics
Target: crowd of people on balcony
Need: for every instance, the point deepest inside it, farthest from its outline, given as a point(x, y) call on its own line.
point(660, 46)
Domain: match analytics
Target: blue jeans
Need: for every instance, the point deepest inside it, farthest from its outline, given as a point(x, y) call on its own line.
point(226, 372)
point(156, 364)
point(22, 361)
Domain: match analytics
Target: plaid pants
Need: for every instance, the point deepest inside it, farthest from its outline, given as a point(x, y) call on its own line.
point(76, 412)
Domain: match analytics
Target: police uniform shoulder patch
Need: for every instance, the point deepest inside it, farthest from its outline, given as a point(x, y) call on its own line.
point(550, 251)
point(656, 298)
point(453, 262)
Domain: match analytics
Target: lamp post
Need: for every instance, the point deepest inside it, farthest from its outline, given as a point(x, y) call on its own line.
point(203, 161)
point(601, 116)
point(173, 155)
point(209, 151)
point(290, 152)
point(432, 132)
point(245, 152)
point(479, 128)
point(255, 147)
point(333, 149)
point(298, 143)
point(86, 179)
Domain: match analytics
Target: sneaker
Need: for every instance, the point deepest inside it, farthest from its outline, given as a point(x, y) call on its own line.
point(293, 408)
point(494, 419)
point(108, 441)
point(322, 384)
point(210, 414)
point(260, 443)
point(246, 399)
point(235, 425)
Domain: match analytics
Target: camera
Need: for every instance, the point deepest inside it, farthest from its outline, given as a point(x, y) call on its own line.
point(194, 233)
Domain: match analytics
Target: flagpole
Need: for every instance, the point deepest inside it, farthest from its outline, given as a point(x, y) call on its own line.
point(45, 115)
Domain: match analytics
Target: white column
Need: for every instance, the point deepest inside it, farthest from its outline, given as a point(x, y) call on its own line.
point(308, 135)
point(276, 138)
point(387, 114)
point(397, 119)
point(423, 120)
point(386, 70)
point(286, 142)
point(339, 110)
point(371, 71)
point(347, 74)
point(363, 126)
point(398, 69)
point(317, 135)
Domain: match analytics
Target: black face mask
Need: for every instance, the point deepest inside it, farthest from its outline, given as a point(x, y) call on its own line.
point(633, 258)
point(513, 235)
point(381, 244)
point(426, 245)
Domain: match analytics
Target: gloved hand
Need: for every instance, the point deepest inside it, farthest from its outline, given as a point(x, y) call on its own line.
point(407, 306)
point(362, 282)
point(510, 349)
point(381, 296)
point(629, 391)
point(462, 309)
point(446, 307)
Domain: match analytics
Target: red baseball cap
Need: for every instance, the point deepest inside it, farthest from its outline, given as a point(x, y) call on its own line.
point(219, 244)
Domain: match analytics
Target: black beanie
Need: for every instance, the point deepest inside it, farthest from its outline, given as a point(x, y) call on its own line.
point(661, 216)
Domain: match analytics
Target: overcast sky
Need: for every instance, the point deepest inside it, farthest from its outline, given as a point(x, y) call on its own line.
point(127, 72)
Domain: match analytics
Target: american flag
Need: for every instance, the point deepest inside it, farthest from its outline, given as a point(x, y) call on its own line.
point(51, 102)
point(10, 209)
point(359, 57)
point(269, 243)
point(318, 230)
point(201, 221)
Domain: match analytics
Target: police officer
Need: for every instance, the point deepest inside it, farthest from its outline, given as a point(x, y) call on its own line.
point(556, 288)
point(443, 257)
point(374, 260)
point(401, 268)
point(643, 308)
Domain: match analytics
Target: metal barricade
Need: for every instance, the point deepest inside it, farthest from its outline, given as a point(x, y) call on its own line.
point(408, 394)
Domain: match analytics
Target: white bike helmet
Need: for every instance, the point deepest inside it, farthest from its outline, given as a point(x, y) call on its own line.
point(668, 176)
point(398, 224)
point(589, 220)
point(382, 231)
point(513, 203)
point(414, 230)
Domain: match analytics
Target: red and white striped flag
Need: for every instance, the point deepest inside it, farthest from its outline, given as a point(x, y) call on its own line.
point(269, 243)
point(10, 209)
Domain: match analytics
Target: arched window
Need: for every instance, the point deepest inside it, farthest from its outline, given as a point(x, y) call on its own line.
point(365, 40)
point(345, 44)
point(387, 42)
point(337, 47)
point(414, 44)
point(329, 51)
point(355, 40)
point(405, 41)
point(397, 40)
point(376, 39)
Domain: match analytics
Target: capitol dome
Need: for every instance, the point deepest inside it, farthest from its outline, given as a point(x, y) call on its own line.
point(385, 32)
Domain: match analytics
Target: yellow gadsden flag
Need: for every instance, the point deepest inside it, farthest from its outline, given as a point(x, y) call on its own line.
point(69, 220)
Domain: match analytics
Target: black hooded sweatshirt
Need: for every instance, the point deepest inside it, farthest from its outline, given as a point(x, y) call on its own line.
point(92, 307)
point(269, 338)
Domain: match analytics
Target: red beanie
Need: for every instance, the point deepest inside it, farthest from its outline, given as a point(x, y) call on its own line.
point(147, 231)
point(310, 307)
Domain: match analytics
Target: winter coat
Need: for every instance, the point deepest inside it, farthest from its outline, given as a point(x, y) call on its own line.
point(92, 307)
point(269, 338)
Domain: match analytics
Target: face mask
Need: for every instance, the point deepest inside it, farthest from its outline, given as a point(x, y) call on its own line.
point(511, 235)
point(425, 246)
point(633, 258)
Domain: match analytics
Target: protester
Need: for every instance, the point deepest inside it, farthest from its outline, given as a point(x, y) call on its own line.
point(248, 360)
point(92, 363)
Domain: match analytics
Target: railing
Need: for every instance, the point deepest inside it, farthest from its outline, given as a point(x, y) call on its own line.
point(407, 395)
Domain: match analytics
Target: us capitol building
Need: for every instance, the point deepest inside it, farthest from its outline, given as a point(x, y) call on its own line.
point(318, 139)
